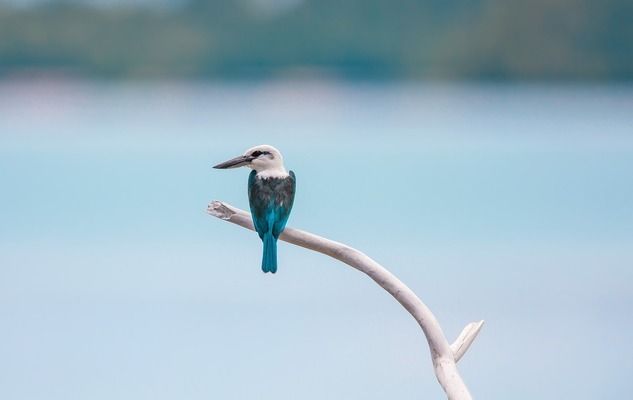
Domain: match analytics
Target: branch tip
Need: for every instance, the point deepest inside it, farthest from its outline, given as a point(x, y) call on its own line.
point(220, 210)
point(465, 339)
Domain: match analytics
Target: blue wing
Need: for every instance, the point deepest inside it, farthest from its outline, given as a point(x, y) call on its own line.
point(284, 202)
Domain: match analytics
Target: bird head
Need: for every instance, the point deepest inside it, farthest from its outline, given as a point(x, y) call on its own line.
point(261, 158)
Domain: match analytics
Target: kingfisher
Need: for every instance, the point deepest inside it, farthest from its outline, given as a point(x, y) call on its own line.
point(271, 193)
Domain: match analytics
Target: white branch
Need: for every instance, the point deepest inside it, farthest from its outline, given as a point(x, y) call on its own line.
point(444, 355)
point(465, 339)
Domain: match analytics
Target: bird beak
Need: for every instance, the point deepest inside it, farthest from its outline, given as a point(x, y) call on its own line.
point(234, 162)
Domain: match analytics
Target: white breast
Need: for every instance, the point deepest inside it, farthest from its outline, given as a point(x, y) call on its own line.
point(273, 173)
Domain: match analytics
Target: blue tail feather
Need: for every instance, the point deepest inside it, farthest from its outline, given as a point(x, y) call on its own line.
point(269, 259)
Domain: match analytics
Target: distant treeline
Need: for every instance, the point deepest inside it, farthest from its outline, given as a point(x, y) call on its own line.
point(356, 39)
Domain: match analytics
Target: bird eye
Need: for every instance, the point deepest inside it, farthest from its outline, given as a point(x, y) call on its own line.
point(256, 153)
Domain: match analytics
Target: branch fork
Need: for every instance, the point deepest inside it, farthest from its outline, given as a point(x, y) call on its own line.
point(444, 355)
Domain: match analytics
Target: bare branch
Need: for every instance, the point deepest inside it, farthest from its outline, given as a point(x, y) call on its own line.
point(444, 356)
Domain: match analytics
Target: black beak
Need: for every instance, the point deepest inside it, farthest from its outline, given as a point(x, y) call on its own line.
point(234, 162)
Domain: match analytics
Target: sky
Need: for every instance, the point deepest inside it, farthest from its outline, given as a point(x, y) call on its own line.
point(508, 203)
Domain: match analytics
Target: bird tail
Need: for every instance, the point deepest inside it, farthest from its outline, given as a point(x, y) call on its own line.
point(269, 259)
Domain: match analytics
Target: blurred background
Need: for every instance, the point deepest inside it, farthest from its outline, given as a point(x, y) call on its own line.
point(481, 150)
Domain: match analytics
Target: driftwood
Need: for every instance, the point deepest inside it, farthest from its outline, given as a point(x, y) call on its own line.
point(443, 354)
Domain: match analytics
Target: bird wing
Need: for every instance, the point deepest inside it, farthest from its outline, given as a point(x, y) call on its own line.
point(285, 197)
point(257, 199)
point(270, 202)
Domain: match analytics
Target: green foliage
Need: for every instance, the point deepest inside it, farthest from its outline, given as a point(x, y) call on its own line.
point(491, 39)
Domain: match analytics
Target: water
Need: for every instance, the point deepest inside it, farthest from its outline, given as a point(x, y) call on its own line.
point(505, 203)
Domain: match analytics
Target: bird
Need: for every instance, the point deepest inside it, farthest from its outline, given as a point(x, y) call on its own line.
point(271, 194)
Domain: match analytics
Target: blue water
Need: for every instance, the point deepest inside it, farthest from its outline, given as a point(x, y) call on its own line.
point(512, 204)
